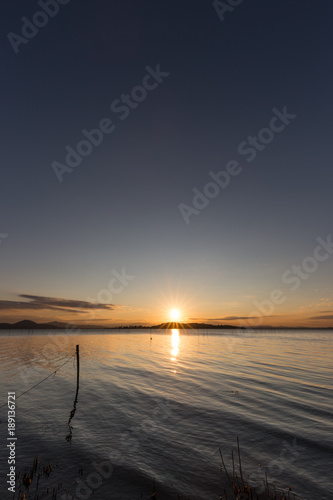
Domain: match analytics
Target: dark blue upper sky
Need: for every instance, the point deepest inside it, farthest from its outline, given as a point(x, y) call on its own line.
point(120, 207)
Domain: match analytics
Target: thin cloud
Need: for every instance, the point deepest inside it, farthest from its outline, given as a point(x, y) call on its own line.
point(234, 318)
point(37, 302)
point(227, 318)
point(330, 316)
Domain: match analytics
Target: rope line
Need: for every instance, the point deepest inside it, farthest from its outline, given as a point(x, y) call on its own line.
point(53, 373)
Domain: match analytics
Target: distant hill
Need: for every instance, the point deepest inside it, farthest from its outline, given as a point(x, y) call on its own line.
point(5, 325)
point(31, 325)
point(56, 325)
point(194, 326)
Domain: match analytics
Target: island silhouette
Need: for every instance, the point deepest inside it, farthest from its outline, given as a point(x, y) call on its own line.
point(55, 325)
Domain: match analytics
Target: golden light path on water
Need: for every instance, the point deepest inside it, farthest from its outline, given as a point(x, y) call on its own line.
point(174, 344)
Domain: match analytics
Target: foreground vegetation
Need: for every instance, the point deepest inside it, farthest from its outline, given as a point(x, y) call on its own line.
point(32, 485)
point(237, 487)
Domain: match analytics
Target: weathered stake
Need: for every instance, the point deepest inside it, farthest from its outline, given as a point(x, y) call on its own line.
point(72, 413)
point(78, 366)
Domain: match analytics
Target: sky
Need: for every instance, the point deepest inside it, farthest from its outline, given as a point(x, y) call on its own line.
point(204, 179)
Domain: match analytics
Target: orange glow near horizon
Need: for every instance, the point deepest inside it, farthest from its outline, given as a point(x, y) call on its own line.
point(171, 306)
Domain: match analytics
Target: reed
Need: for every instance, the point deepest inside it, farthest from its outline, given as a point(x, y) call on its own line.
point(32, 485)
point(238, 489)
point(29, 483)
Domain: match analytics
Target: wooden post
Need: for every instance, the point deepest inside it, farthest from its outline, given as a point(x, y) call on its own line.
point(72, 413)
point(78, 366)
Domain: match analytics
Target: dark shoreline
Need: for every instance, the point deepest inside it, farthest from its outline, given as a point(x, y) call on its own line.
point(31, 325)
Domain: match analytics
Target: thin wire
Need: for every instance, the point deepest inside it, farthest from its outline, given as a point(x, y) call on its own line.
point(53, 373)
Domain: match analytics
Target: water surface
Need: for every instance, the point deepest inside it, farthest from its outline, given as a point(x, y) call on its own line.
point(159, 405)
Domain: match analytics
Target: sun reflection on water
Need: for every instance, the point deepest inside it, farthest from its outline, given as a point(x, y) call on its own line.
point(174, 343)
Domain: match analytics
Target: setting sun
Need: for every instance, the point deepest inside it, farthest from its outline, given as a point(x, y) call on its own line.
point(174, 314)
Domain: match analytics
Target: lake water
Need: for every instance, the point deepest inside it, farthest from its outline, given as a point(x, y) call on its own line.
point(159, 405)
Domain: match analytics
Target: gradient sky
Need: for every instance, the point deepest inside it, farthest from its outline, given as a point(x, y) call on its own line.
point(62, 242)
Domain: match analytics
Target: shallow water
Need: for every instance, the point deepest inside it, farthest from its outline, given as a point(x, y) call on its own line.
point(159, 405)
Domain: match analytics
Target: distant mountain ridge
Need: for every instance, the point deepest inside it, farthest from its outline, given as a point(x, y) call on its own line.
point(27, 324)
point(194, 326)
point(56, 325)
